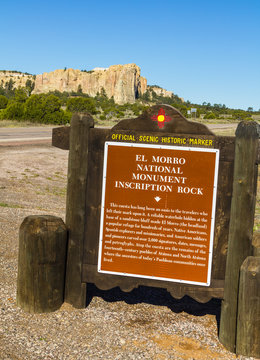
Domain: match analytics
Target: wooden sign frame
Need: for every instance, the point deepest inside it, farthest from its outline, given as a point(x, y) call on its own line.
point(84, 197)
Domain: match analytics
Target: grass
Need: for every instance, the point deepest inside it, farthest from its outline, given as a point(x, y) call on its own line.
point(215, 121)
point(256, 117)
point(15, 123)
point(13, 206)
point(224, 132)
point(106, 123)
point(4, 205)
point(56, 191)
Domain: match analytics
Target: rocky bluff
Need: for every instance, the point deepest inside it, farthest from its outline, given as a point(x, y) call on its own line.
point(123, 82)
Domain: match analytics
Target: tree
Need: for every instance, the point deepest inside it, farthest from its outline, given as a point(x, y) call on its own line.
point(51, 104)
point(210, 115)
point(3, 102)
point(20, 95)
point(240, 114)
point(8, 88)
point(9, 85)
point(80, 104)
point(34, 107)
point(103, 93)
point(46, 109)
point(145, 96)
point(79, 91)
point(14, 111)
point(29, 86)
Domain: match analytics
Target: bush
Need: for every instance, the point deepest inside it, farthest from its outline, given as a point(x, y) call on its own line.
point(58, 117)
point(20, 95)
point(45, 109)
point(119, 114)
point(51, 104)
point(240, 115)
point(182, 108)
point(3, 102)
point(14, 111)
point(29, 85)
point(210, 115)
point(80, 104)
point(34, 108)
point(41, 108)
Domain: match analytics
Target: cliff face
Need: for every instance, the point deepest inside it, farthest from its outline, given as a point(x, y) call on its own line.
point(160, 91)
point(121, 81)
point(18, 79)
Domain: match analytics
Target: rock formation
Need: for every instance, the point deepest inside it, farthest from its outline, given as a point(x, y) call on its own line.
point(123, 82)
point(18, 79)
point(160, 91)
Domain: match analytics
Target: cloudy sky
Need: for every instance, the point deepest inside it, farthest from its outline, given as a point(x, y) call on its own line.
point(201, 50)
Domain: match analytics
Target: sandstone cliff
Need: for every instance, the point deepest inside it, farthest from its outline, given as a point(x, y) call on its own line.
point(123, 82)
point(19, 79)
point(160, 91)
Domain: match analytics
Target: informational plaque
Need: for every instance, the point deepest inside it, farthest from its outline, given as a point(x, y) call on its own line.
point(158, 212)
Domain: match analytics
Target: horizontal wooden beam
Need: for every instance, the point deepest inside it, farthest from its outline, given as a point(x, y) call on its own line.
point(61, 137)
point(127, 283)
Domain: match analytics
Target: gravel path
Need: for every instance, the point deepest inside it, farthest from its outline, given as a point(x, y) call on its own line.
point(144, 324)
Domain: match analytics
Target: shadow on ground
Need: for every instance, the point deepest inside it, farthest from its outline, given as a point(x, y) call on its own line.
point(158, 297)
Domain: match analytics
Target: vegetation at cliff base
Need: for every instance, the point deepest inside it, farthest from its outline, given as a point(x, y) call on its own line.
point(57, 107)
point(42, 108)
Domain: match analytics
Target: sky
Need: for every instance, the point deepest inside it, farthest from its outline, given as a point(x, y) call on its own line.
point(203, 51)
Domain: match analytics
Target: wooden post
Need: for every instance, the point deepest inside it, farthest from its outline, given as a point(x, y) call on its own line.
point(241, 225)
point(75, 290)
point(248, 324)
point(41, 263)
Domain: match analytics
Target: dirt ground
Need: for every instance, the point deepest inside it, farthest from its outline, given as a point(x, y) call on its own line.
point(144, 324)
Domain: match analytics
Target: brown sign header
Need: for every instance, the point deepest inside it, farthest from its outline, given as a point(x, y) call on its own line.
point(158, 212)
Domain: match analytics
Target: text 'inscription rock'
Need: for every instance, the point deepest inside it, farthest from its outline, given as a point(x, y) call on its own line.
point(158, 212)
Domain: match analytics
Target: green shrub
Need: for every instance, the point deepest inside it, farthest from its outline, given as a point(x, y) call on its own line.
point(210, 115)
point(58, 117)
point(3, 102)
point(14, 111)
point(2, 114)
point(20, 95)
point(44, 109)
point(29, 86)
point(240, 115)
point(119, 114)
point(51, 104)
point(34, 108)
point(80, 104)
